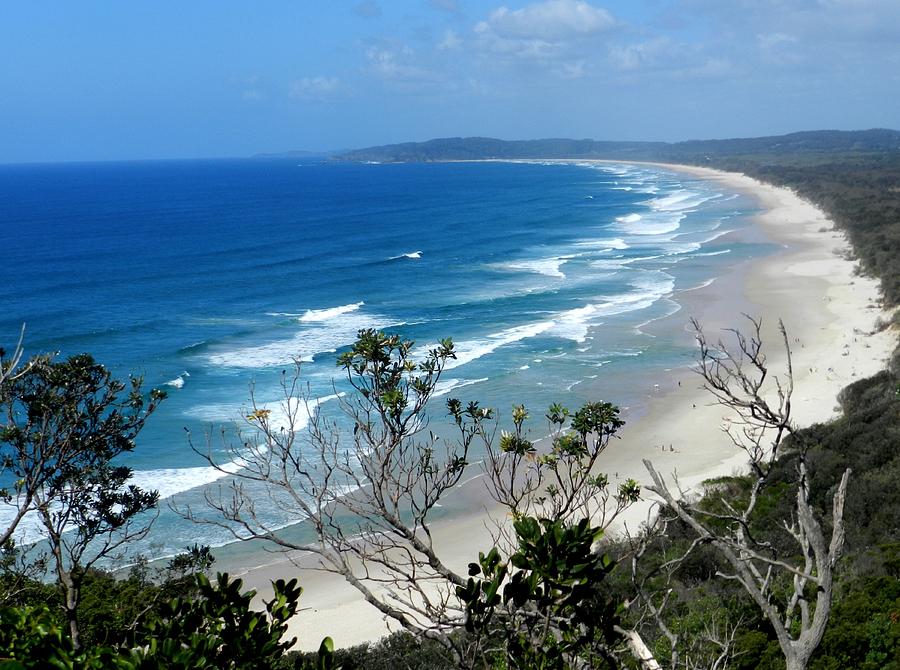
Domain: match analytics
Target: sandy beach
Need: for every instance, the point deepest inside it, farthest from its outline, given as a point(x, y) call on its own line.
point(830, 314)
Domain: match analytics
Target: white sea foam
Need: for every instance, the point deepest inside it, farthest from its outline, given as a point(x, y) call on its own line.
point(646, 290)
point(713, 253)
point(178, 382)
point(293, 413)
point(672, 308)
point(613, 243)
point(281, 412)
point(168, 481)
point(683, 248)
point(171, 481)
point(29, 529)
point(323, 331)
point(699, 286)
point(656, 223)
point(445, 386)
point(549, 267)
point(470, 350)
point(414, 255)
point(574, 323)
point(718, 232)
point(329, 313)
point(619, 263)
point(681, 200)
point(287, 414)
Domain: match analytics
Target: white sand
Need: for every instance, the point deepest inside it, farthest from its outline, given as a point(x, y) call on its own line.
point(829, 313)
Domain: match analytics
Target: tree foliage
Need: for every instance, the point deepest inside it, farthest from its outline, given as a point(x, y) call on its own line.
point(546, 603)
point(64, 425)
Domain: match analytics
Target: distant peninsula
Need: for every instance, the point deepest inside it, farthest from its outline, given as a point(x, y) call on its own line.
point(691, 151)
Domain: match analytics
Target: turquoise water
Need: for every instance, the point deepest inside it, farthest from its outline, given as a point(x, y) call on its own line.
point(207, 276)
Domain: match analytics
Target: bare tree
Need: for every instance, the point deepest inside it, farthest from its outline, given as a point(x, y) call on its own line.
point(739, 378)
point(369, 493)
point(9, 368)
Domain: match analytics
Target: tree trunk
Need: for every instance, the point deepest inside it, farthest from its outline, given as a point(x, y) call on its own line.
point(638, 649)
point(71, 605)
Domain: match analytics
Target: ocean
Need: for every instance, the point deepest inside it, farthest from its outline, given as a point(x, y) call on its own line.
point(208, 276)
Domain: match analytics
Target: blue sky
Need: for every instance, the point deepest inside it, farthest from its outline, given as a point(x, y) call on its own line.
point(203, 78)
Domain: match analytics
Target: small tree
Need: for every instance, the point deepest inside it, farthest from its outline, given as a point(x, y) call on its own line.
point(552, 610)
point(793, 590)
point(215, 629)
point(369, 496)
point(218, 628)
point(64, 424)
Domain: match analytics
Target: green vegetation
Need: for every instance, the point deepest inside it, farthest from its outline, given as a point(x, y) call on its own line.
point(213, 628)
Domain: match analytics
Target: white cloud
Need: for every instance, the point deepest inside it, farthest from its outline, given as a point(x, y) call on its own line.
point(664, 55)
point(315, 88)
point(397, 64)
point(450, 41)
point(642, 55)
point(549, 32)
point(549, 20)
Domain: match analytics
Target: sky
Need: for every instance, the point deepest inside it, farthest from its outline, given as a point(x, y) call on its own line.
point(114, 80)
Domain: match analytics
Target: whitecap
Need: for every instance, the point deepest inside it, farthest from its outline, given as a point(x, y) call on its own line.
point(324, 331)
point(177, 383)
point(445, 386)
point(329, 313)
point(286, 414)
point(470, 350)
point(620, 262)
point(574, 323)
point(414, 255)
point(29, 529)
point(656, 223)
point(614, 243)
point(681, 200)
point(549, 267)
point(293, 413)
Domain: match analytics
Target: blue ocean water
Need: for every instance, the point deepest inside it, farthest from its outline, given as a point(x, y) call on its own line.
point(205, 276)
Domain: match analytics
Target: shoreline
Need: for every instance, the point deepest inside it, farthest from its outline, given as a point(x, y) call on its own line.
point(829, 312)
